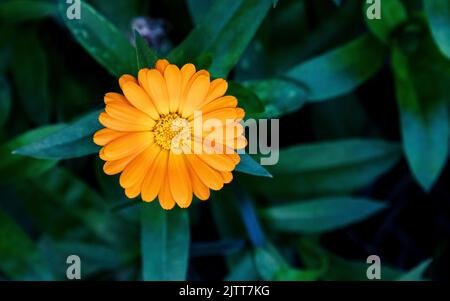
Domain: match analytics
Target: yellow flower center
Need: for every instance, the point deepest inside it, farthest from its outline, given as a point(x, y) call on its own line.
point(169, 127)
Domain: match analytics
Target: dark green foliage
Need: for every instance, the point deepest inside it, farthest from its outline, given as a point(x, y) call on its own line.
point(364, 131)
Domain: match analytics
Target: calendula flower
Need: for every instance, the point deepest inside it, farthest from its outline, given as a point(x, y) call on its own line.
point(171, 134)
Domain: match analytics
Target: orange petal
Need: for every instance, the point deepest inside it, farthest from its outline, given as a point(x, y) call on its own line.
point(139, 98)
point(179, 181)
point(142, 79)
point(138, 168)
point(127, 145)
point(187, 71)
point(125, 79)
point(218, 161)
point(105, 136)
point(226, 176)
point(129, 114)
point(196, 94)
point(240, 113)
point(155, 177)
point(173, 79)
point(114, 97)
point(158, 91)
point(119, 125)
point(201, 191)
point(161, 65)
point(226, 116)
point(217, 89)
point(220, 103)
point(235, 157)
point(133, 191)
point(210, 177)
point(238, 143)
point(116, 166)
point(165, 196)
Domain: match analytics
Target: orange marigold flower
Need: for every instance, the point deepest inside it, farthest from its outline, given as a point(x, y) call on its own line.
point(154, 130)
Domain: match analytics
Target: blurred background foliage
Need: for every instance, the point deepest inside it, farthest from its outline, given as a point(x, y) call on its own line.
point(364, 130)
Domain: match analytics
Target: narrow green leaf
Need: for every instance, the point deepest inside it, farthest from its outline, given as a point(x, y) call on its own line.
point(5, 100)
point(29, 167)
point(249, 166)
point(416, 274)
point(341, 70)
point(268, 262)
point(336, 267)
point(121, 12)
point(273, 267)
point(198, 9)
point(21, 259)
point(164, 243)
point(243, 269)
point(220, 33)
point(438, 13)
point(247, 99)
point(318, 169)
point(279, 97)
point(204, 34)
point(393, 14)
point(319, 215)
point(101, 39)
point(96, 257)
point(230, 226)
point(72, 200)
point(422, 75)
point(25, 10)
point(146, 57)
point(74, 140)
point(30, 74)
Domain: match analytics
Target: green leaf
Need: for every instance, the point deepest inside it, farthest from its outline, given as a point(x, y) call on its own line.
point(96, 257)
point(121, 12)
point(5, 100)
point(272, 267)
point(221, 33)
point(102, 40)
point(249, 166)
point(21, 259)
point(74, 140)
point(416, 274)
point(71, 198)
point(30, 74)
point(422, 76)
point(268, 262)
point(146, 57)
point(230, 226)
point(247, 99)
point(438, 13)
point(319, 215)
point(279, 97)
point(164, 243)
point(318, 169)
point(13, 167)
point(25, 10)
point(336, 267)
point(243, 269)
point(393, 14)
point(198, 9)
point(341, 70)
